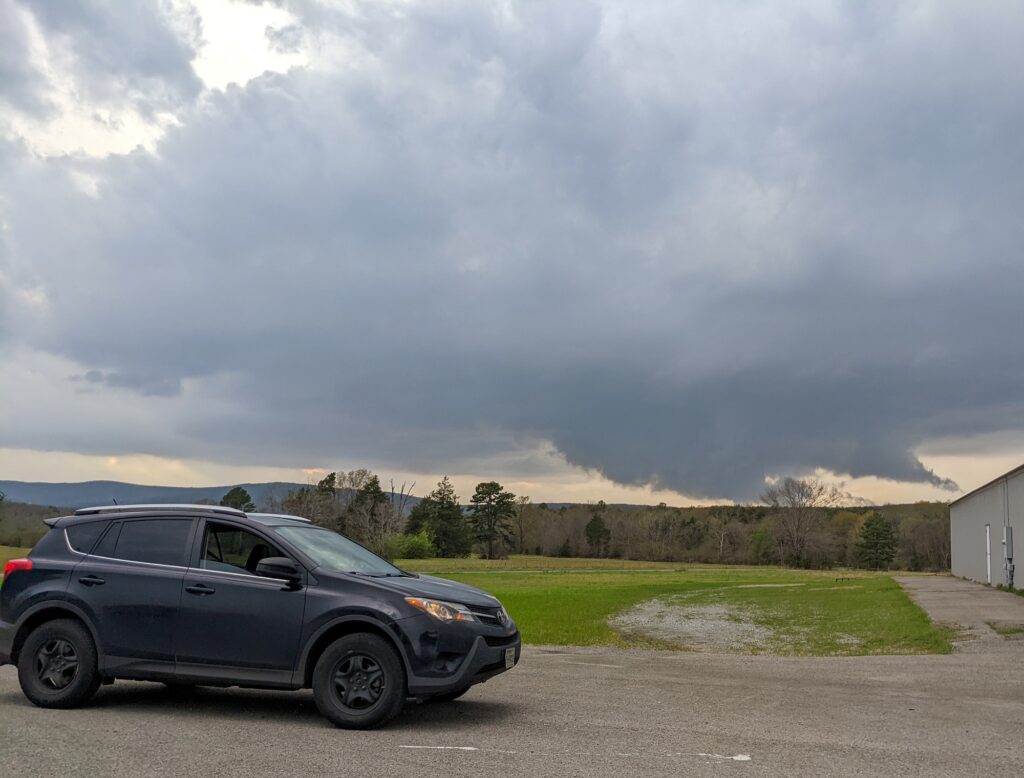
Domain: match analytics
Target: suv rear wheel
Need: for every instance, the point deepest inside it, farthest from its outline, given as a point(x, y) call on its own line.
point(57, 665)
point(359, 682)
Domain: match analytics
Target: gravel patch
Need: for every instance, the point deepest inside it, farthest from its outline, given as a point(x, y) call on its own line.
point(697, 627)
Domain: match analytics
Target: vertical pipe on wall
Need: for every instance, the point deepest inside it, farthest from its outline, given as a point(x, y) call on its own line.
point(1007, 550)
point(988, 552)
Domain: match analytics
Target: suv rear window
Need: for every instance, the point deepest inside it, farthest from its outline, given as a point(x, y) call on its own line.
point(158, 541)
point(82, 537)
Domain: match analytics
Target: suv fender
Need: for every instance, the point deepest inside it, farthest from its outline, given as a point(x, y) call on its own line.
point(334, 629)
point(42, 612)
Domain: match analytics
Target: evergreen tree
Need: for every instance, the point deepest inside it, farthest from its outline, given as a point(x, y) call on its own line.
point(327, 484)
point(441, 516)
point(238, 498)
point(370, 516)
point(877, 545)
point(490, 517)
point(369, 497)
point(597, 532)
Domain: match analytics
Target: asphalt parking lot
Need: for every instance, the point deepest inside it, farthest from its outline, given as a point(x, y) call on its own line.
point(569, 712)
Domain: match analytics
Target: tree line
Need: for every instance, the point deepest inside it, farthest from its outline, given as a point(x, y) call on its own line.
point(390, 523)
point(798, 522)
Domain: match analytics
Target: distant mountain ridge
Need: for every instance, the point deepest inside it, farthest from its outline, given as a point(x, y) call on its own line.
point(88, 493)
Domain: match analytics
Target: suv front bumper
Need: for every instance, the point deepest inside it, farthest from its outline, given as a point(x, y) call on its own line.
point(482, 662)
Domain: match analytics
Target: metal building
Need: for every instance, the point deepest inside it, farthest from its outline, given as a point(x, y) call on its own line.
point(982, 524)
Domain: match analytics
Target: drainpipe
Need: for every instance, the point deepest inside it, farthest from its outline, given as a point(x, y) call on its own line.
point(1007, 535)
point(988, 553)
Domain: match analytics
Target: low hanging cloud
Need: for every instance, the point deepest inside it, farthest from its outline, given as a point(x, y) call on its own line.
point(689, 245)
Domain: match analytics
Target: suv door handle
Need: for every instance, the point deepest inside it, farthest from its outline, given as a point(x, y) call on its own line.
point(200, 589)
point(91, 580)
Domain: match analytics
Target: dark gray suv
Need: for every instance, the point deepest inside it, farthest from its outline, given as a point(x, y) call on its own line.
point(200, 595)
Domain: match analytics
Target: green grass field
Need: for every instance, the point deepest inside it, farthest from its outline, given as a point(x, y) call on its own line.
point(810, 613)
point(568, 602)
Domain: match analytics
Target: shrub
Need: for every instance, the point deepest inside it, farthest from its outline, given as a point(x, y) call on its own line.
point(416, 546)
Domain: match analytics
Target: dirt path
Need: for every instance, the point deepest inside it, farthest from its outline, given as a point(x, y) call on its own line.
point(971, 607)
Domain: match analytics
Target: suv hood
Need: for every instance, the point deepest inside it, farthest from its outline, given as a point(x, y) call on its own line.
point(439, 589)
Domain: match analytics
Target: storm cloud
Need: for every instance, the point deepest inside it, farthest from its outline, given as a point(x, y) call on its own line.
point(687, 244)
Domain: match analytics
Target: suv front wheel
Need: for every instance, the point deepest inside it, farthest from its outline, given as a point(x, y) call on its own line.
point(359, 682)
point(57, 665)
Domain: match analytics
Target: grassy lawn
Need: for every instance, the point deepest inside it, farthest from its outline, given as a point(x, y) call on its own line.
point(525, 562)
point(810, 613)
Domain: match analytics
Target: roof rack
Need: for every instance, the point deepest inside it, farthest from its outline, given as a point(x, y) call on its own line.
point(278, 516)
point(159, 507)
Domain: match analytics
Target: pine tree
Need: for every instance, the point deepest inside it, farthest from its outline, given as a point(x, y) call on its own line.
point(369, 517)
point(877, 545)
point(238, 498)
point(491, 510)
point(441, 516)
point(597, 532)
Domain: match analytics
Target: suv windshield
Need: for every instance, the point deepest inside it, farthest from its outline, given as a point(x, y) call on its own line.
point(336, 552)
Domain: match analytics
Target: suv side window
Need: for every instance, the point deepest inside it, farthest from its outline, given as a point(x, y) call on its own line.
point(82, 537)
point(232, 549)
point(158, 541)
point(105, 547)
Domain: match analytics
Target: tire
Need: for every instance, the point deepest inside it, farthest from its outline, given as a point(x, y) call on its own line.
point(57, 665)
point(359, 682)
point(450, 696)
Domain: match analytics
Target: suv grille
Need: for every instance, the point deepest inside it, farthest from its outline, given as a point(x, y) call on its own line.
point(496, 642)
point(496, 616)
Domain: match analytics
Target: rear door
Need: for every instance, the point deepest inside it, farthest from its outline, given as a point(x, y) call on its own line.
point(132, 582)
point(233, 623)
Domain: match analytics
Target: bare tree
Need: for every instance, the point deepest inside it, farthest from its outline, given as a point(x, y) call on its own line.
point(400, 501)
point(720, 527)
point(325, 502)
point(522, 503)
point(798, 505)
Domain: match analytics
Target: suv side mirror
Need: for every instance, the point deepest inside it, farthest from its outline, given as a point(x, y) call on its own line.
point(280, 567)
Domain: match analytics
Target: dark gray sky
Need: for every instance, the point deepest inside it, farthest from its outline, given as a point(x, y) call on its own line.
point(683, 245)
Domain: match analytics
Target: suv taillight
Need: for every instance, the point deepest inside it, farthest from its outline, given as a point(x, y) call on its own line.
point(16, 564)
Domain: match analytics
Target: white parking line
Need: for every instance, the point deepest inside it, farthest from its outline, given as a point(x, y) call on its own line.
point(736, 758)
point(460, 748)
point(700, 754)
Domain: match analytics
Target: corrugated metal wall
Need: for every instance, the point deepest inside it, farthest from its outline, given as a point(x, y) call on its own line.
point(968, 519)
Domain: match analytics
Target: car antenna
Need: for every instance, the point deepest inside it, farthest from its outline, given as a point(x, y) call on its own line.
point(114, 499)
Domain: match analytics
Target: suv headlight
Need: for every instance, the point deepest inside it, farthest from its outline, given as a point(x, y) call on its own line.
point(442, 611)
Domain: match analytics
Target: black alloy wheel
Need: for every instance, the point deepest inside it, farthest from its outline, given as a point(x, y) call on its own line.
point(56, 663)
point(359, 681)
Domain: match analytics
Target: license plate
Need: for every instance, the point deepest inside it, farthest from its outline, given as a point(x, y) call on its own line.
point(510, 658)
